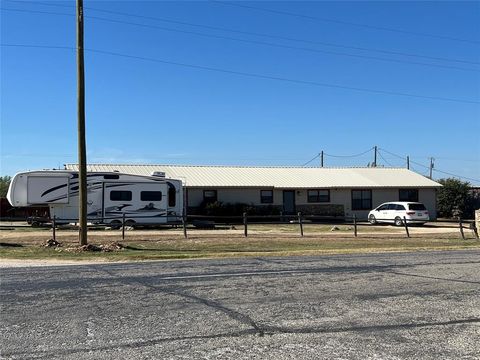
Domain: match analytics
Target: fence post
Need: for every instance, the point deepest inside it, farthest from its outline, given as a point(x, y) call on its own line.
point(301, 223)
point(123, 226)
point(355, 224)
point(245, 224)
point(54, 225)
point(461, 227)
point(475, 231)
point(184, 225)
point(406, 226)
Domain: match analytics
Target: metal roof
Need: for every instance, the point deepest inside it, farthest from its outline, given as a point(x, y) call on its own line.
point(275, 177)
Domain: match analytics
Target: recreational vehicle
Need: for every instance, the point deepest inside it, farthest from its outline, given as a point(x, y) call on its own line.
point(111, 196)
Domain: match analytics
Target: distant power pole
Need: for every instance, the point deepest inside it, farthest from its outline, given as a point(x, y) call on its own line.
point(375, 157)
point(82, 153)
point(431, 166)
point(321, 159)
point(408, 162)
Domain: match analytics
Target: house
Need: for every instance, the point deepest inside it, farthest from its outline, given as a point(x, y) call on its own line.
point(312, 191)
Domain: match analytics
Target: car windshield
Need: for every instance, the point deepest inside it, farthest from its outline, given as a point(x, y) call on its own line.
point(416, 207)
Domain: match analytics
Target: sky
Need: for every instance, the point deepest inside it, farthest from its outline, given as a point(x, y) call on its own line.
point(260, 83)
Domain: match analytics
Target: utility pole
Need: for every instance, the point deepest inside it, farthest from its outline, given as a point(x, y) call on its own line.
point(321, 159)
point(431, 166)
point(375, 157)
point(408, 162)
point(82, 153)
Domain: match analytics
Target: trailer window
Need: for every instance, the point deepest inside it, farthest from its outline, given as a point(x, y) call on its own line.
point(151, 196)
point(172, 195)
point(121, 196)
point(111, 177)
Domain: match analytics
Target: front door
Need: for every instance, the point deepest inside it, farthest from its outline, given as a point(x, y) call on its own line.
point(289, 202)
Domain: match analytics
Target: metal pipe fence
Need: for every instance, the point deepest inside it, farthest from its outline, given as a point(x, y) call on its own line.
point(122, 222)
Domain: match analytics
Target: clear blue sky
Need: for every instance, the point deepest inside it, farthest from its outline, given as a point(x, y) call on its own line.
point(143, 111)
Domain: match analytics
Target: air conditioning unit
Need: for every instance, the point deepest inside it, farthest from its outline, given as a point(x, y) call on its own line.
point(158, 173)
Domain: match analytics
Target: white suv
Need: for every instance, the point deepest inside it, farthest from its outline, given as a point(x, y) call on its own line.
point(394, 212)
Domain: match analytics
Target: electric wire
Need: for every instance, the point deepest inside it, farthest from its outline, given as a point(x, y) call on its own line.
point(308, 162)
point(381, 156)
point(256, 42)
point(255, 75)
point(349, 156)
point(210, 27)
point(321, 19)
point(458, 176)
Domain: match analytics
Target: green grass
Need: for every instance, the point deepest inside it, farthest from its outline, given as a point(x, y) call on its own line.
point(202, 247)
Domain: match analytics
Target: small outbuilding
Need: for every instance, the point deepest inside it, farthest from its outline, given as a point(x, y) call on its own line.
point(312, 191)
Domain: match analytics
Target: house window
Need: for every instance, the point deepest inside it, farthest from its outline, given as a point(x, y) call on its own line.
point(209, 196)
point(316, 196)
point(266, 196)
point(121, 196)
point(408, 195)
point(361, 199)
point(151, 195)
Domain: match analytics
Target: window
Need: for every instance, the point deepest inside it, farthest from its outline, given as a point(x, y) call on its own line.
point(314, 196)
point(408, 195)
point(209, 196)
point(172, 195)
point(361, 199)
point(151, 195)
point(392, 207)
point(266, 196)
point(111, 177)
point(416, 207)
point(400, 207)
point(121, 196)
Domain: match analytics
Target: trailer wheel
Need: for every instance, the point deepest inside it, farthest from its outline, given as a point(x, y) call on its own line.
point(115, 224)
point(130, 223)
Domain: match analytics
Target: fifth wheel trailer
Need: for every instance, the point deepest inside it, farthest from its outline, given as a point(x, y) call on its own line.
point(110, 196)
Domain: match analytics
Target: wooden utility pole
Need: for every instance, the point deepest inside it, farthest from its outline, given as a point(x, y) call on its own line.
point(431, 167)
point(321, 159)
point(375, 157)
point(82, 153)
point(408, 162)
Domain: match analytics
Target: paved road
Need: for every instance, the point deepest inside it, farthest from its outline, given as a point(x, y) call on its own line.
point(385, 306)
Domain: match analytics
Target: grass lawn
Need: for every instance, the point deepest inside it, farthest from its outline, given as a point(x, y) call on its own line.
point(263, 240)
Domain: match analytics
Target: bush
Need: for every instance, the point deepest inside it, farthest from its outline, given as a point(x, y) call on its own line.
point(455, 199)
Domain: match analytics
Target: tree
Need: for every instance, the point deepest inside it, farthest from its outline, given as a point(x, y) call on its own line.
point(4, 184)
point(454, 198)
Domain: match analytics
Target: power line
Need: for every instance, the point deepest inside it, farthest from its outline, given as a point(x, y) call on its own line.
point(335, 21)
point(308, 162)
point(380, 154)
point(458, 176)
point(256, 33)
point(253, 75)
point(256, 42)
point(401, 157)
point(350, 156)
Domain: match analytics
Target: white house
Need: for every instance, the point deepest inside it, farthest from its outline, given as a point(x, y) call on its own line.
point(316, 191)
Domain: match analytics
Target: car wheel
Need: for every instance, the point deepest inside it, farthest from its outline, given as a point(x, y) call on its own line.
point(398, 221)
point(372, 220)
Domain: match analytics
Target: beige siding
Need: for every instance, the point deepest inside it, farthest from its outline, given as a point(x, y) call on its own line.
point(337, 197)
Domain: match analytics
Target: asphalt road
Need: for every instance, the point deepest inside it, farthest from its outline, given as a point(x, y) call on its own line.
point(423, 305)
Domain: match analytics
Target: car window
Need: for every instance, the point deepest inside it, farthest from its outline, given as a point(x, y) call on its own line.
point(383, 207)
point(416, 207)
point(400, 207)
point(392, 206)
